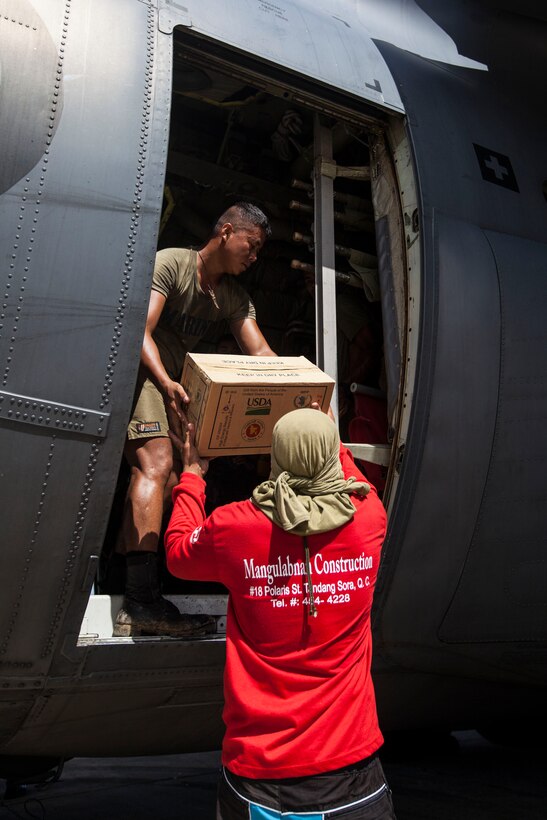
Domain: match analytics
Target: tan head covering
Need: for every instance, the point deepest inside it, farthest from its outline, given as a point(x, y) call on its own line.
point(307, 492)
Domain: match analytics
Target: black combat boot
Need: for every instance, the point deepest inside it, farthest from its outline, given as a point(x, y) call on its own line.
point(145, 612)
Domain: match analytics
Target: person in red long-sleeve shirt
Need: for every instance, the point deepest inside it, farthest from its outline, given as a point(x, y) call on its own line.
point(300, 560)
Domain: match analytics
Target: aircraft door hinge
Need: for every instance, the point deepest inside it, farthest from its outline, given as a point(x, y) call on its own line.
point(53, 415)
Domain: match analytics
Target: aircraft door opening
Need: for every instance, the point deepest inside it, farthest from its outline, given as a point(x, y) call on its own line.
point(237, 133)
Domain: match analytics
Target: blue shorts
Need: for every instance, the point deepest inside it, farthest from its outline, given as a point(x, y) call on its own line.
point(357, 792)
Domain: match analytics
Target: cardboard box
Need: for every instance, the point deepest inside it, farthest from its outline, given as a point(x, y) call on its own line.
point(235, 401)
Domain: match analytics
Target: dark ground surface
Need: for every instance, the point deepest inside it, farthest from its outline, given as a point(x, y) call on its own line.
point(461, 777)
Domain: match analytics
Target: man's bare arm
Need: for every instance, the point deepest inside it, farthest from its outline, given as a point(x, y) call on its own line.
point(173, 393)
point(249, 337)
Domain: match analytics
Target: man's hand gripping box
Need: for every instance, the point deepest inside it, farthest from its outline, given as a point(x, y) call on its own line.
point(235, 401)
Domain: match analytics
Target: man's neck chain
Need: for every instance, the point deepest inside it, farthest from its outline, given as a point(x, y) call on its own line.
point(208, 287)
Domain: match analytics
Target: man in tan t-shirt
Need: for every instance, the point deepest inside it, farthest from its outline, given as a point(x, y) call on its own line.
point(191, 291)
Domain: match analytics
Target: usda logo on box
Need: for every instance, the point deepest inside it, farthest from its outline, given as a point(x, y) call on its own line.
point(258, 406)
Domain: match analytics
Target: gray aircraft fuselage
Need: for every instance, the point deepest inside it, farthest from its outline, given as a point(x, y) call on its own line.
point(85, 98)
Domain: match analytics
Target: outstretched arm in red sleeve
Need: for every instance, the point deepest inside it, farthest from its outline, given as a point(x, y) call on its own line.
point(189, 542)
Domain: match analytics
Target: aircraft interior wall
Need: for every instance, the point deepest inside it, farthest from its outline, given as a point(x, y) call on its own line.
point(232, 141)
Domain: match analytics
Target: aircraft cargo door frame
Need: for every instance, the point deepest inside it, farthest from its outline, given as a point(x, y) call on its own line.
point(395, 198)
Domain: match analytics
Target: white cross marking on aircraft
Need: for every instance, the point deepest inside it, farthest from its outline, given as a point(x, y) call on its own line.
point(499, 170)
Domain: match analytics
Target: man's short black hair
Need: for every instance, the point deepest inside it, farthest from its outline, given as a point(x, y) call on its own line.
point(244, 215)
